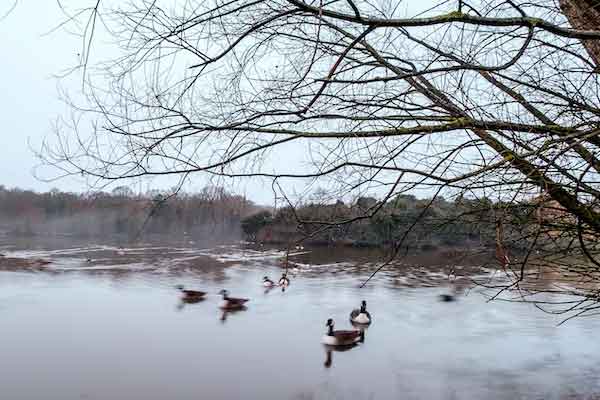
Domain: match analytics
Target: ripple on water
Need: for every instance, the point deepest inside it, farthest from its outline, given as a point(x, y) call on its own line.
point(115, 327)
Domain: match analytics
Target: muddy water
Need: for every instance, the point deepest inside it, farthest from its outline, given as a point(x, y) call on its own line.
point(114, 328)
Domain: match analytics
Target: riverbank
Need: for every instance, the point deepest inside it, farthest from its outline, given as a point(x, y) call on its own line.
point(22, 264)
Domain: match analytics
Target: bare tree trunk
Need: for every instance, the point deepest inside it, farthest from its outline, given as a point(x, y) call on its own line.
point(585, 15)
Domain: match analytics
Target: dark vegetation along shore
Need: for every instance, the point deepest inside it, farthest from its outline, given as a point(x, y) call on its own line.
point(216, 216)
point(22, 264)
point(420, 224)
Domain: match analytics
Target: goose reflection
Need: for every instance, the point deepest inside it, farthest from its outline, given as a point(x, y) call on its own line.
point(329, 349)
point(185, 301)
point(225, 313)
point(269, 289)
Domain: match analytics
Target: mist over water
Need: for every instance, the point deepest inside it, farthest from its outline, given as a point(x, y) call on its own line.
point(207, 218)
point(114, 327)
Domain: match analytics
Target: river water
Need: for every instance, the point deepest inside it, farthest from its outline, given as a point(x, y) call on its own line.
point(114, 328)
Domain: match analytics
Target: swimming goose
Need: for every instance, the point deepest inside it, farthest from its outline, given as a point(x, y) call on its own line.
point(267, 282)
point(284, 280)
point(341, 338)
point(190, 295)
point(361, 316)
point(455, 289)
point(231, 303)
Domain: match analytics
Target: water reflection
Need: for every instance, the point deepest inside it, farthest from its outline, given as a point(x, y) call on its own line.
point(269, 289)
point(187, 301)
point(330, 349)
point(419, 348)
point(225, 313)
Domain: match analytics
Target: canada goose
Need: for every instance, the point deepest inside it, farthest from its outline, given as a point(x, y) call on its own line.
point(231, 303)
point(361, 316)
point(456, 288)
point(267, 282)
point(341, 338)
point(284, 280)
point(89, 260)
point(190, 296)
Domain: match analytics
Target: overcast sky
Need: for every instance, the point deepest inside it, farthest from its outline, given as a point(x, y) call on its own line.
point(31, 59)
point(29, 100)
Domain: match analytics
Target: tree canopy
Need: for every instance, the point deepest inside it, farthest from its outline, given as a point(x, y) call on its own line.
point(485, 98)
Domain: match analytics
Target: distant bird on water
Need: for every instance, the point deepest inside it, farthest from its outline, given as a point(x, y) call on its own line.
point(284, 280)
point(190, 295)
point(267, 282)
point(231, 303)
point(361, 316)
point(456, 287)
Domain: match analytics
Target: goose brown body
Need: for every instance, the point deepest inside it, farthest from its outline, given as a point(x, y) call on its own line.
point(341, 337)
point(190, 294)
point(231, 303)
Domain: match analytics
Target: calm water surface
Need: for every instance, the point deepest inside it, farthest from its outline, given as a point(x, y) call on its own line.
point(115, 329)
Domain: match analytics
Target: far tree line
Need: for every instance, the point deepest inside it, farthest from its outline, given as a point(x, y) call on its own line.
point(421, 224)
point(212, 213)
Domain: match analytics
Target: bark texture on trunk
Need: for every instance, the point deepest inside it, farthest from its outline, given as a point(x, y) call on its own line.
point(585, 15)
